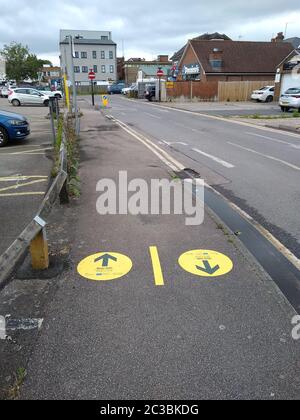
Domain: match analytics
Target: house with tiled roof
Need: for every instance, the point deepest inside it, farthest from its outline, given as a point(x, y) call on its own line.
point(294, 41)
point(224, 60)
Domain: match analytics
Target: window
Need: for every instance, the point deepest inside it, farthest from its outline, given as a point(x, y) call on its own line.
point(34, 92)
point(76, 69)
point(95, 68)
point(76, 54)
point(216, 64)
point(85, 69)
point(104, 38)
point(103, 69)
point(95, 55)
point(112, 69)
point(111, 55)
point(102, 55)
point(83, 54)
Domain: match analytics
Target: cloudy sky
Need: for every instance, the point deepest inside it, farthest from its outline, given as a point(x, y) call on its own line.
point(158, 27)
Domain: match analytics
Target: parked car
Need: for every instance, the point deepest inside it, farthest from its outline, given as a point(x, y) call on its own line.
point(129, 89)
point(27, 96)
point(150, 92)
point(4, 92)
point(116, 88)
point(51, 93)
point(12, 127)
point(290, 100)
point(265, 94)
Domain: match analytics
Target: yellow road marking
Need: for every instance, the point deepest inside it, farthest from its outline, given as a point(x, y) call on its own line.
point(157, 270)
point(105, 266)
point(24, 193)
point(205, 263)
point(22, 185)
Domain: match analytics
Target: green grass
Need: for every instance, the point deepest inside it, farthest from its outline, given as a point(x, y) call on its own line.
point(284, 115)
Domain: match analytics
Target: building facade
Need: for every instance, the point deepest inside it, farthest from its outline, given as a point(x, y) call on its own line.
point(133, 66)
point(288, 74)
point(222, 60)
point(92, 50)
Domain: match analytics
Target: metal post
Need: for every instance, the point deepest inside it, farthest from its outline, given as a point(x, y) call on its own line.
point(57, 111)
point(93, 95)
point(74, 91)
point(52, 120)
point(159, 84)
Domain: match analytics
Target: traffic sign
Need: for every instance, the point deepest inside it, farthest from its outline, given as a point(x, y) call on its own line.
point(92, 75)
point(160, 73)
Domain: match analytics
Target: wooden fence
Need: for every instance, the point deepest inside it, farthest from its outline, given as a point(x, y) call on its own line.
point(240, 91)
point(202, 91)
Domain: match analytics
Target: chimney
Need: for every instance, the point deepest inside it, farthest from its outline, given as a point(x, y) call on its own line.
point(163, 58)
point(279, 37)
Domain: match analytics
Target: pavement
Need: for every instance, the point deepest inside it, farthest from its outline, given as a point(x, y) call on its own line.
point(159, 331)
point(25, 168)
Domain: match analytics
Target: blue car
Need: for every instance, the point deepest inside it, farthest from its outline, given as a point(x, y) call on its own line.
point(12, 127)
point(116, 88)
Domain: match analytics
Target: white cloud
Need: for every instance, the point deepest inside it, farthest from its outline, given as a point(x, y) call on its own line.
point(147, 30)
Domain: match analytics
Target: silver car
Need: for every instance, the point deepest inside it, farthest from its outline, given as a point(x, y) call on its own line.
point(290, 99)
point(27, 96)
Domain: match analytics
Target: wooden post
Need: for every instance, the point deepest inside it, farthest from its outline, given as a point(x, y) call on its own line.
point(39, 251)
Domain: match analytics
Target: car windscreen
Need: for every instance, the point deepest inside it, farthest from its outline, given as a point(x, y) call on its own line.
point(292, 91)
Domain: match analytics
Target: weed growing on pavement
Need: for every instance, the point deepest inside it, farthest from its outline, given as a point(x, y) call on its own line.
point(14, 391)
point(73, 158)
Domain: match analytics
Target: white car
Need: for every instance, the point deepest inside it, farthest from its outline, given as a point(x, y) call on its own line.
point(290, 100)
point(265, 94)
point(27, 96)
point(51, 93)
point(4, 92)
point(126, 90)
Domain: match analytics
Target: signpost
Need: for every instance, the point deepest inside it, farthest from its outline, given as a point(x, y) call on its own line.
point(92, 77)
point(160, 73)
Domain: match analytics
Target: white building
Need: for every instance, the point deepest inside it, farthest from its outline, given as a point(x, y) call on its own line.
point(92, 50)
point(2, 68)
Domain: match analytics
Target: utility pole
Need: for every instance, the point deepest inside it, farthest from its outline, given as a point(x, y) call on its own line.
point(72, 75)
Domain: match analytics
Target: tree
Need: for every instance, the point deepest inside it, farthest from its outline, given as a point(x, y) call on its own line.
point(20, 63)
point(15, 56)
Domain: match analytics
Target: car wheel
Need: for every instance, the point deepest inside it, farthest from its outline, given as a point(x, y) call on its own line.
point(3, 137)
point(269, 99)
point(46, 103)
point(16, 102)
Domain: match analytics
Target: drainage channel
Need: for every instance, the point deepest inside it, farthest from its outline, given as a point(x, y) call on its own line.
point(281, 270)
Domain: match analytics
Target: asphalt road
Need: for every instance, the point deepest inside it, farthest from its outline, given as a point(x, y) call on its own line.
point(24, 174)
point(259, 170)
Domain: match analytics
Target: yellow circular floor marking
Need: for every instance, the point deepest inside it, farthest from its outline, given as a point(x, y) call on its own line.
point(105, 266)
point(205, 263)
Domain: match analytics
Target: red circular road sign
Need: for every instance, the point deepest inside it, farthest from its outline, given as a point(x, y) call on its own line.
point(160, 73)
point(92, 75)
